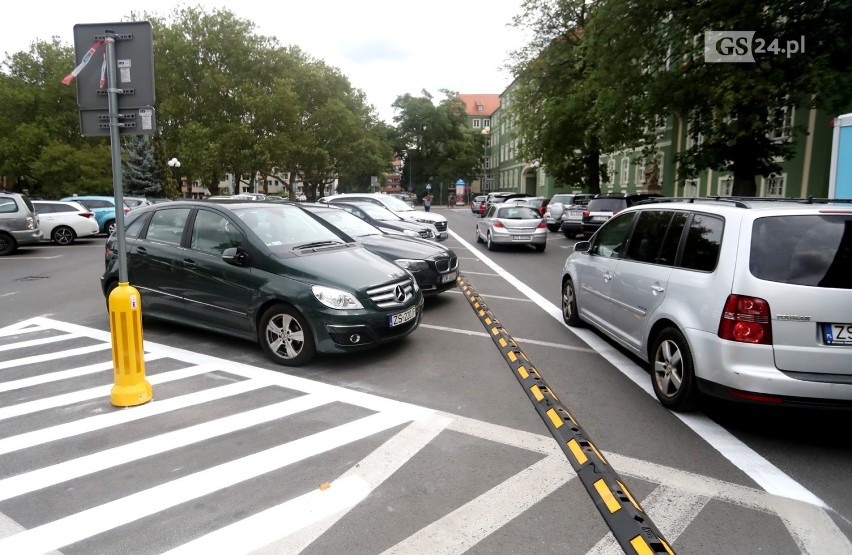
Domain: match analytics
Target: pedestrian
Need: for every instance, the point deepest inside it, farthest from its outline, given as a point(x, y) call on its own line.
point(427, 202)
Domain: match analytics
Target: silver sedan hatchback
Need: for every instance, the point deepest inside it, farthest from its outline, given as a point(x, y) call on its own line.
point(512, 224)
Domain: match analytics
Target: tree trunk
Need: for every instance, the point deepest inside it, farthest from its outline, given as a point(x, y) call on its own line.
point(593, 170)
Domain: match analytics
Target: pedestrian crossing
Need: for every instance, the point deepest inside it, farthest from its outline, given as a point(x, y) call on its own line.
point(231, 458)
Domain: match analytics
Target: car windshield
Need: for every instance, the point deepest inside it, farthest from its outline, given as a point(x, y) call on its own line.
point(282, 227)
point(606, 204)
point(395, 204)
point(564, 199)
point(379, 212)
point(349, 224)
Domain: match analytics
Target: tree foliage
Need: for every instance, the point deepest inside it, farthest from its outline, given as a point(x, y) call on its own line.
point(435, 141)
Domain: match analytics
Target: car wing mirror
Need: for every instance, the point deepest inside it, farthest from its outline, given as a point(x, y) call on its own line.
point(235, 256)
point(582, 246)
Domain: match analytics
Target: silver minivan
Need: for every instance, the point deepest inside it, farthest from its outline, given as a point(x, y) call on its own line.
point(750, 300)
point(18, 222)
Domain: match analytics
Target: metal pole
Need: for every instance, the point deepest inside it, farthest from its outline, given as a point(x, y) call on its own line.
point(115, 147)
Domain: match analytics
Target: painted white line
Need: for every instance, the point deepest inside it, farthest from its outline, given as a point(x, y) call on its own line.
point(770, 477)
point(480, 273)
point(36, 359)
point(673, 511)
point(374, 469)
point(37, 342)
point(267, 526)
point(22, 327)
point(107, 420)
point(108, 516)
point(63, 374)
point(518, 339)
point(27, 482)
point(463, 528)
point(95, 392)
point(490, 296)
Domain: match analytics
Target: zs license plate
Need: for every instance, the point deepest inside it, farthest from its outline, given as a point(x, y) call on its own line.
point(521, 237)
point(837, 334)
point(449, 277)
point(402, 317)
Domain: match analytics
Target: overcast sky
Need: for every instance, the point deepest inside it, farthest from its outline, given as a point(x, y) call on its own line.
point(386, 48)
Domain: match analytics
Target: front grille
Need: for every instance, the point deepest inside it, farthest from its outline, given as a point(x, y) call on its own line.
point(385, 296)
point(445, 265)
point(442, 226)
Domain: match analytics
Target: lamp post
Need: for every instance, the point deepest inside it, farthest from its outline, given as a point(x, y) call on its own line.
point(486, 132)
point(174, 164)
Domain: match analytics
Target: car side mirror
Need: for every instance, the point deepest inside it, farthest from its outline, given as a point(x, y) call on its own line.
point(582, 246)
point(235, 256)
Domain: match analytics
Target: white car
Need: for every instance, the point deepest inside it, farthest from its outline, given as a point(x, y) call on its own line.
point(748, 300)
point(64, 221)
point(397, 206)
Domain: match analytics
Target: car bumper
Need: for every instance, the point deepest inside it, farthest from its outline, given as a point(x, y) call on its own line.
point(27, 237)
point(539, 237)
point(734, 370)
point(355, 332)
point(571, 226)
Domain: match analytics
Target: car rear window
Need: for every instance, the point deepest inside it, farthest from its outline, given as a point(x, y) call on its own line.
point(703, 242)
point(812, 249)
point(606, 205)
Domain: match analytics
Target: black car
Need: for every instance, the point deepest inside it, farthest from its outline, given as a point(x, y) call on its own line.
point(384, 219)
point(435, 266)
point(602, 208)
point(272, 273)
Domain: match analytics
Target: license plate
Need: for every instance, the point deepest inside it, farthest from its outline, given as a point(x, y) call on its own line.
point(837, 334)
point(599, 218)
point(402, 317)
point(449, 277)
point(575, 213)
point(521, 237)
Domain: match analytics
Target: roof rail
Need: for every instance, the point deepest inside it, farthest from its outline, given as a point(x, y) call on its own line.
point(654, 200)
point(743, 202)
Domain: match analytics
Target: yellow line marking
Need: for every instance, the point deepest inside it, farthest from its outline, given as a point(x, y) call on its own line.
point(555, 418)
point(608, 499)
point(537, 393)
point(495, 331)
point(595, 449)
point(577, 451)
point(523, 372)
point(503, 344)
point(669, 549)
point(629, 496)
point(641, 547)
point(487, 321)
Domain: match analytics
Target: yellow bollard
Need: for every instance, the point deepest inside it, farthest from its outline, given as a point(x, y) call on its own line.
point(125, 323)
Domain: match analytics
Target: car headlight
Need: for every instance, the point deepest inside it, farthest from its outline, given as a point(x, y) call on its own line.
point(412, 265)
point(414, 284)
point(335, 298)
point(410, 233)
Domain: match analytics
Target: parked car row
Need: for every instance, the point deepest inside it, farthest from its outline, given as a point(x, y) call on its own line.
point(748, 300)
point(299, 279)
point(397, 206)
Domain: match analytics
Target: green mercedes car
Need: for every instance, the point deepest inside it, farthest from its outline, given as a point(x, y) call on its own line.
point(271, 273)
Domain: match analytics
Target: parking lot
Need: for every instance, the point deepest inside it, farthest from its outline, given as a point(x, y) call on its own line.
point(430, 445)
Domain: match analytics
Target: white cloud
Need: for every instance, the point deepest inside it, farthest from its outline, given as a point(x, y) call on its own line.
point(386, 48)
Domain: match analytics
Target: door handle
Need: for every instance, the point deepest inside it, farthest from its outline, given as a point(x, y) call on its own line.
point(657, 289)
point(190, 263)
point(142, 251)
point(607, 276)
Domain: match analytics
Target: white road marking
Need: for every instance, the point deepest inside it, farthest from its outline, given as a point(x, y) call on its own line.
point(770, 477)
point(35, 359)
point(518, 339)
point(37, 342)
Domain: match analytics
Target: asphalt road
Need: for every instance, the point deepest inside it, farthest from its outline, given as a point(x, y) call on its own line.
point(427, 446)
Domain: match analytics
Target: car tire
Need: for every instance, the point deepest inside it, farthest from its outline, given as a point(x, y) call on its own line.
point(541, 247)
point(478, 236)
point(7, 244)
point(109, 227)
point(570, 314)
point(673, 371)
point(552, 227)
point(62, 235)
point(285, 336)
point(489, 242)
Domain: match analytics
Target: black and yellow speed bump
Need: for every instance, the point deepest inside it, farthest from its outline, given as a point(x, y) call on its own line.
point(630, 525)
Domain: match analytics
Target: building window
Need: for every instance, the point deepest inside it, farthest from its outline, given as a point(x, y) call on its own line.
point(625, 171)
point(783, 124)
point(690, 188)
point(640, 172)
point(477, 123)
point(726, 186)
point(486, 123)
point(776, 184)
point(610, 171)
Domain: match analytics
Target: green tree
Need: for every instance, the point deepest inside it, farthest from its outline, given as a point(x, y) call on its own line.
point(435, 141)
point(40, 142)
point(652, 55)
point(140, 173)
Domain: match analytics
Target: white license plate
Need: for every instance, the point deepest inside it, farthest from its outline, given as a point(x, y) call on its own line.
point(575, 213)
point(837, 334)
point(521, 237)
point(599, 218)
point(449, 277)
point(402, 317)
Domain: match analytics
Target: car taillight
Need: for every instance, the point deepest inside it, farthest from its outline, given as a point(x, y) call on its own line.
point(614, 212)
point(86, 214)
point(126, 210)
point(542, 224)
point(498, 223)
point(746, 320)
point(586, 213)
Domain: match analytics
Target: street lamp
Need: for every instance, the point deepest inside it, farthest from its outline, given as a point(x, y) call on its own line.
point(174, 163)
point(486, 132)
